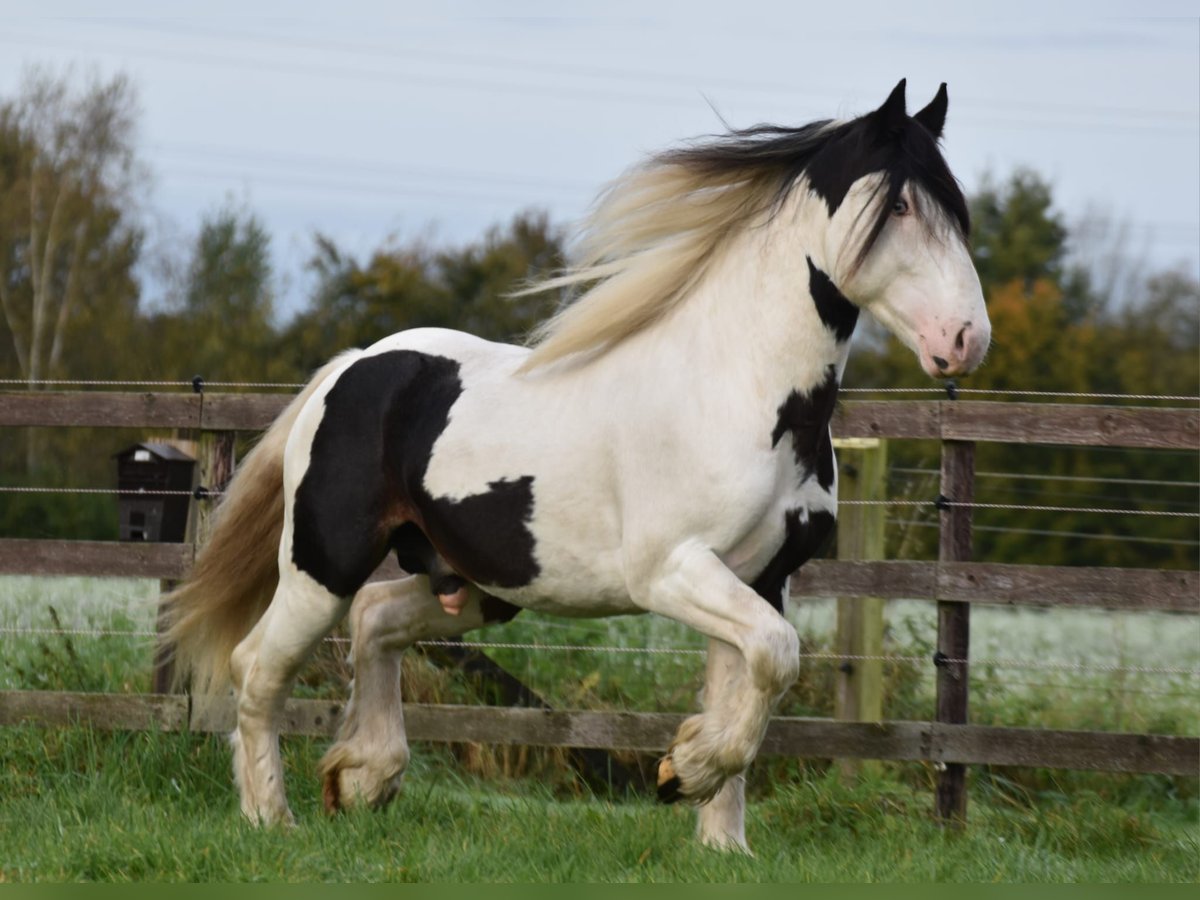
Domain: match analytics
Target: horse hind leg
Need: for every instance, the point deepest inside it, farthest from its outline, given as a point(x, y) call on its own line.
point(366, 764)
point(264, 666)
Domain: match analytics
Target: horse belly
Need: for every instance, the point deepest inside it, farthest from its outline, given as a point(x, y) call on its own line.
point(522, 543)
point(517, 504)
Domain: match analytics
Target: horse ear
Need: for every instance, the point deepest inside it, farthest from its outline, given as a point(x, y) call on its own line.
point(892, 115)
point(933, 116)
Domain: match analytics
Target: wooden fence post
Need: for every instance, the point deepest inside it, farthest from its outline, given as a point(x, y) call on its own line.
point(862, 475)
point(214, 467)
point(954, 621)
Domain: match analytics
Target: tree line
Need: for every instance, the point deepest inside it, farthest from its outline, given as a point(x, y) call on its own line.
point(73, 257)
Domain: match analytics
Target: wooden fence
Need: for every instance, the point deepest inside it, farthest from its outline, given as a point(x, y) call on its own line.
point(953, 581)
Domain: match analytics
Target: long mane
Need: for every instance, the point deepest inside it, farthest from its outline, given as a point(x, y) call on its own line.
point(654, 233)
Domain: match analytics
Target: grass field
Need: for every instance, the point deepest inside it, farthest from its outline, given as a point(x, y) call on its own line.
point(79, 804)
point(82, 805)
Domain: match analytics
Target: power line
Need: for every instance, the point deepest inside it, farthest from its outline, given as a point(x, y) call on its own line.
point(207, 152)
point(633, 75)
point(1180, 231)
point(466, 193)
point(474, 85)
point(477, 85)
point(349, 187)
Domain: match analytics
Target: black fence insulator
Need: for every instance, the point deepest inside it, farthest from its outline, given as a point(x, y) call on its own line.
point(940, 659)
point(942, 502)
point(201, 492)
point(198, 384)
point(952, 390)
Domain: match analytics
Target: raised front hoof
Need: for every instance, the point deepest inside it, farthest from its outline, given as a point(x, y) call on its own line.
point(680, 780)
point(670, 788)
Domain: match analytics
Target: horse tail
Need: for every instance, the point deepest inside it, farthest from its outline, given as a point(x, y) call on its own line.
point(237, 569)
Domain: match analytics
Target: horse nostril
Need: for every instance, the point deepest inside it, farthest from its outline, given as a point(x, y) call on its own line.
point(959, 341)
point(940, 363)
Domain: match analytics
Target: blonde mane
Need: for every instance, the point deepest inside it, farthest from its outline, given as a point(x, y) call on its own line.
point(655, 232)
point(650, 238)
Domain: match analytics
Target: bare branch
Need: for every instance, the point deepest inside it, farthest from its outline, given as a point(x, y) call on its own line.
point(11, 320)
point(43, 285)
point(69, 295)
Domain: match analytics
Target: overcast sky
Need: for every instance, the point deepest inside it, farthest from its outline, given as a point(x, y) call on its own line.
point(385, 122)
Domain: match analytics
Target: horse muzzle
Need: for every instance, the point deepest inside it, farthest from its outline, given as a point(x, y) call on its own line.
point(954, 351)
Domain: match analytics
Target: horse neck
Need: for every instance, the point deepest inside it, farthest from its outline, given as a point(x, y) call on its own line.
point(753, 317)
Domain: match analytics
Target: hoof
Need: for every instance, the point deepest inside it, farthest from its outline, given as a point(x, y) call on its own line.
point(343, 787)
point(669, 785)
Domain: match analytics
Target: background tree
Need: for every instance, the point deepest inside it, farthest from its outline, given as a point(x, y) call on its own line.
point(220, 321)
point(69, 237)
point(69, 243)
point(412, 286)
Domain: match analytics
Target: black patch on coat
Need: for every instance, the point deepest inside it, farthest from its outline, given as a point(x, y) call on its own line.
point(364, 490)
point(806, 418)
point(837, 313)
point(416, 556)
point(496, 611)
point(802, 541)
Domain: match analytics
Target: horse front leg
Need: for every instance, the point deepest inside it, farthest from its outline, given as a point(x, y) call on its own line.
point(366, 764)
point(694, 587)
point(721, 822)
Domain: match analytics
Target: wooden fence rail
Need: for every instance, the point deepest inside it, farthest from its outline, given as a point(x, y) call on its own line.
point(954, 581)
point(951, 420)
point(1004, 584)
point(933, 742)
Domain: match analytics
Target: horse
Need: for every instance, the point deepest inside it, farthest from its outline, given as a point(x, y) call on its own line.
point(660, 445)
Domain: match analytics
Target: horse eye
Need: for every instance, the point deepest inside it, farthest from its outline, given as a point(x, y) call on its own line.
point(900, 207)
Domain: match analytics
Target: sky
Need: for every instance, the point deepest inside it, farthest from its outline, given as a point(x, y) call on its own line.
point(388, 122)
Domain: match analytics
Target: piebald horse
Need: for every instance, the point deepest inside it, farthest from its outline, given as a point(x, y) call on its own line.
point(662, 445)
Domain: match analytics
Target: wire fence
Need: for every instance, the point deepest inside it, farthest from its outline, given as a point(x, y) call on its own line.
point(940, 503)
point(197, 384)
point(934, 660)
point(1049, 532)
point(980, 668)
point(1073, 479)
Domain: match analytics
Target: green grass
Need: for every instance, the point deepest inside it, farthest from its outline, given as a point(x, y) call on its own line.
point(78, 804)
point(83, 805)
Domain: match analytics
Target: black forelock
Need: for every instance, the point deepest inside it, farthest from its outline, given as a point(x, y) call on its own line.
point(832, 157)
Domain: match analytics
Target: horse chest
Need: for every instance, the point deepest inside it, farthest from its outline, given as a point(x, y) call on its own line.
point(800, 523)
point(796, 527)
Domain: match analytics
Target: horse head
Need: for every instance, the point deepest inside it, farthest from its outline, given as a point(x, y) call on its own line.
point(896, 240)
